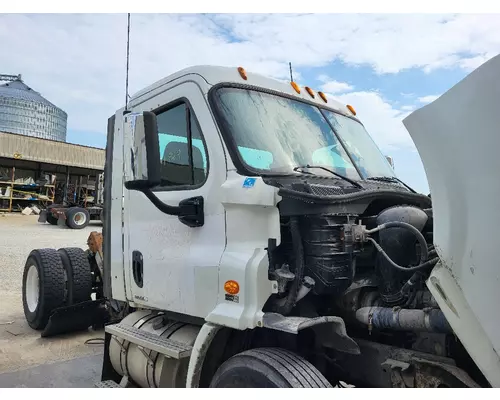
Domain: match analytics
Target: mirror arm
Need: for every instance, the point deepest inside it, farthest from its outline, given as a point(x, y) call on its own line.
point(160, 205)
point(190, 211)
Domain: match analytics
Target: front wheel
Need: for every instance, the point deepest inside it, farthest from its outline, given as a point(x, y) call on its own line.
point(268, 368)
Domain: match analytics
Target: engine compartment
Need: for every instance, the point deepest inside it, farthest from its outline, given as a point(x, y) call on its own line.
point(363, 254)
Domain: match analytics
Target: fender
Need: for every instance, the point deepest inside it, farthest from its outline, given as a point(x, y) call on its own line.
point(200, 348)
point(330, 330)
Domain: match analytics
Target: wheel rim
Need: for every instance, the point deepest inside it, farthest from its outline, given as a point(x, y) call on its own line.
point(32, 288)
point(79, 218)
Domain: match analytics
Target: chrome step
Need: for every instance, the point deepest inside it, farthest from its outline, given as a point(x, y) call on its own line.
point(108, 385)
point(168, 347)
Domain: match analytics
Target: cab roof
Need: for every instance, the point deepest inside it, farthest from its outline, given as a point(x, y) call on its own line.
point(214, 75)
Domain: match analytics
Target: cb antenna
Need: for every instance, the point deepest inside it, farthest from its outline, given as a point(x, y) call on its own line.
point(291, 74)
point(128, 58)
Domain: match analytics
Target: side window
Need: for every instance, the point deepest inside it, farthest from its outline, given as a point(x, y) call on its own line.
point(182, 152)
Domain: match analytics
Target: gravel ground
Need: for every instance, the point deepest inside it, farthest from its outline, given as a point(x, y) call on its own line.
point(20, 346)
point(19, 234)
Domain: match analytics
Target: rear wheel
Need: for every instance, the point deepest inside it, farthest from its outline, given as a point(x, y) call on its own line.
point(268, 368)
point(43, 286)
point(77, 218)
point(78, 274)
point(51, 219)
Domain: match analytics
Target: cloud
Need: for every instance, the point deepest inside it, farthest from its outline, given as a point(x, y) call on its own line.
point(388, 43)
point(77, 61)
point(470, 64)
point(407, 108)
point(428, 99)
point(332, 86)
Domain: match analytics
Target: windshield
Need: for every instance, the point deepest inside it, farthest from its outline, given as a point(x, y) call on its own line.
point(274, 134)
point(360, 146)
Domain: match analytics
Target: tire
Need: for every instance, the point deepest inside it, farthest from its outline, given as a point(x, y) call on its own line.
point(50, 218)
point(78, 275)
point(268, 368)
point(77, 218)
point(43, 286)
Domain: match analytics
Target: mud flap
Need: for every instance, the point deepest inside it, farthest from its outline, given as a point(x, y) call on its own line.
point(61, 220)
point(108, 372)
point(42, 218)
point(77, 317)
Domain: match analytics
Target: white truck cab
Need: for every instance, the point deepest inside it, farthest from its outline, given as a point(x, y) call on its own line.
point(255, 236)
point(214, 136)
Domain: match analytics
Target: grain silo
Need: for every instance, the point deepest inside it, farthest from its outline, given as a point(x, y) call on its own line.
point(24, 111)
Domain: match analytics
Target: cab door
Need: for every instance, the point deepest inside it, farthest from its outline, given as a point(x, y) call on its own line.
point(172, 264)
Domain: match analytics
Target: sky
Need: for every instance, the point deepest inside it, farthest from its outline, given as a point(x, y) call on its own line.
point(385, 65)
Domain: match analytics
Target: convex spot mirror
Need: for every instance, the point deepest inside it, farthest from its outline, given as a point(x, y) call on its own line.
point(143, 158)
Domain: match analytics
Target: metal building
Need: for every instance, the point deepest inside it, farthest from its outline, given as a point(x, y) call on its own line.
point(24, 111)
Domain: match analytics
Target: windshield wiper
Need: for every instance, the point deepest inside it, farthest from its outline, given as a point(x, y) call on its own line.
point(392, 179)
point(345, 178)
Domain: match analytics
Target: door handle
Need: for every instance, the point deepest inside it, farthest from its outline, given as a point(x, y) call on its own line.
point(138, 268)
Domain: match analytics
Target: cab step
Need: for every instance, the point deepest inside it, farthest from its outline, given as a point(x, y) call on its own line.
point(108, 385)
point(165, 346)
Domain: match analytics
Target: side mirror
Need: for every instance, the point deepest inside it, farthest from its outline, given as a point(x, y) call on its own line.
point(141, 131)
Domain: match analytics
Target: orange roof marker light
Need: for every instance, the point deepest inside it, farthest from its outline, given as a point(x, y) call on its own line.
point(323, 97)
point(295, 87)
point(351, 109)
point(232, 287)
point(310, 91)
point(243, 73)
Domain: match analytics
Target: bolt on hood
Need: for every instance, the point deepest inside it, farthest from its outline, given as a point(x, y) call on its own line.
point(458, 138)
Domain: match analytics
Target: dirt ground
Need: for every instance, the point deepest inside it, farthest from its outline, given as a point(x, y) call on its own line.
point(20, 346)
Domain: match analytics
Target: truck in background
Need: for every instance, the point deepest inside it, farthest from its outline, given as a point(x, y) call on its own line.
point(79, 212)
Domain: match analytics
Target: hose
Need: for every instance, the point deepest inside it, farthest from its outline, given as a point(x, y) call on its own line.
point(407, 291)
point(293, 293)
point(404, 319)
point(424, 250)
point(426, 264)
point(94, 341)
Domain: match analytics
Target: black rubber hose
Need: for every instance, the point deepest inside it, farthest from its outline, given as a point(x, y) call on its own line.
point(424, 251)
point(426, 264)
point(298, 249)
point(95, 341)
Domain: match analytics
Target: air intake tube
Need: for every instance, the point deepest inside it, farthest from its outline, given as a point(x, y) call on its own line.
point(404, 320)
